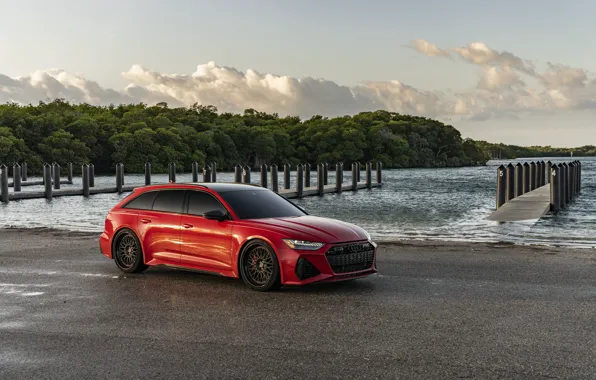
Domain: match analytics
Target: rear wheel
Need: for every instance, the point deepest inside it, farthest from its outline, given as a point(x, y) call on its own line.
point(259, 267)
point(128, 255)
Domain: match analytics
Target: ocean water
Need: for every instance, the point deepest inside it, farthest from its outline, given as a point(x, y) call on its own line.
point(429, 204)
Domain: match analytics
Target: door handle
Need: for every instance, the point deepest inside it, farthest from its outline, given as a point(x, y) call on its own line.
point(186, 225)
point(145, 220)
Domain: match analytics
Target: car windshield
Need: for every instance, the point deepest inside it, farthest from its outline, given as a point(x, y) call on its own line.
point(258, 204)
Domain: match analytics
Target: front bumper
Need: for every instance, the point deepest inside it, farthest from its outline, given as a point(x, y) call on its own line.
point(333, 262)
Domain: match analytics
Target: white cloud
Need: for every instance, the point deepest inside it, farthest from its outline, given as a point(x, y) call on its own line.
point(501, 92)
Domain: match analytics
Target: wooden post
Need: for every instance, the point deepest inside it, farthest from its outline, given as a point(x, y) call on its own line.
point(92, 175)
point(563, 201)
point(148, 173)
point(16, 178)
point(547, 171)
point(85, 178)
point(519, 179)
point(555, 188)
point(509, 182)
point(579, 178)
point(368, 175)
point(237, 173)
point(3, 184)
point(359, 165)
point(69, 175)
point(299, 180)
point(287, 169)
point(379, 172)
point(274, 180)
point(195, 172)
point(338, 178)
point(501, 186)
point(532, 175)
point(207, 173)
point(264, 176)
point(320, 179)
point(526, 182)
point(56, 172)
point(47, 180)
point(24, 172)
point(542, 173)
point(119, 176)
point(307, 175)
point(325, 173)
point(122, 173)
point(213, 171)
point(172, 176)
point(246, 174)
point(354, 176)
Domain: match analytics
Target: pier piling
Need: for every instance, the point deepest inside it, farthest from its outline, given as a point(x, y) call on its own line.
point(299, 180)
point(368, 175)
point(354, 176)
point(238, 173)
point(148, 173)
point(47, 180)
point(85, 179)
point(3, 184)
point(274, 178)
point(287, 169)
point(501, 186)
point(24, 172)
point(320, 179)
point(56, 173)
point(307, 175)
point(509, 182)
point(264, 176)
point(519, 180)
point(69, 175)
point(246, 174)
point(555, 188)
point(16, 177)
point(207, 173)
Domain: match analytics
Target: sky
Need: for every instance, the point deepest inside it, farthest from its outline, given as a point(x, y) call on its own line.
point(519, 72)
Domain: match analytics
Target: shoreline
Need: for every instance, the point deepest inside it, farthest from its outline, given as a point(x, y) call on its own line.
point(389, 244)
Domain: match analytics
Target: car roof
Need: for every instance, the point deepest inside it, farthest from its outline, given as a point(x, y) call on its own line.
point(219, 187)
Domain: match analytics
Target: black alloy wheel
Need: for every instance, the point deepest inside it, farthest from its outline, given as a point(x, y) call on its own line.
point(128, 255)
point(259, 267)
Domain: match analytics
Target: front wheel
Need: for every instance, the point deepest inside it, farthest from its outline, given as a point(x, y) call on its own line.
point(259, 267)
point(128, 255)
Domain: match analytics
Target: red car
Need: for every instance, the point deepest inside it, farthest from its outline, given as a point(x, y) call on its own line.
point(235, 230)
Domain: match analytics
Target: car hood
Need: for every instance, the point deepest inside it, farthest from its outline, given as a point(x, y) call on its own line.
point(313, 228)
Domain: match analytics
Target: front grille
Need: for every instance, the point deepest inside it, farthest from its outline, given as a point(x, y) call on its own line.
point(305, 269)
point(351, 257)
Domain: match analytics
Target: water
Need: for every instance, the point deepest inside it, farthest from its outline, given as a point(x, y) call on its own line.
point(430, 204)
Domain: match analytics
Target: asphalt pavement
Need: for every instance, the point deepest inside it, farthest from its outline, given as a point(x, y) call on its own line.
point(435, 311)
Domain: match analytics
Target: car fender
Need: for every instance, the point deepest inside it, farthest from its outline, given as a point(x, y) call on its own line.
point(247, 240)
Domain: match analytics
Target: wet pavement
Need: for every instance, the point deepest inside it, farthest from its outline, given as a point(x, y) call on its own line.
point(434, 312)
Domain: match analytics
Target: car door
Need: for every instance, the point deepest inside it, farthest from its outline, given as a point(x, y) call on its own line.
point(159, 227)
point(206, 243)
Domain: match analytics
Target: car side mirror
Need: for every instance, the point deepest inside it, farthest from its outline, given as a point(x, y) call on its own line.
point(215, 215)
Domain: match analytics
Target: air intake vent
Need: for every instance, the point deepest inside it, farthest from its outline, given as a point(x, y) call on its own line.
point(305, 269)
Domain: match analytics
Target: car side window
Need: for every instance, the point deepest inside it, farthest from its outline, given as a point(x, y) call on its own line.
point(143, 201)
point(200, 203)
point(169, 201)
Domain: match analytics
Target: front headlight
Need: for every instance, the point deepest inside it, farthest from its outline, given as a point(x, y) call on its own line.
point(367, 236)
point(303, 245)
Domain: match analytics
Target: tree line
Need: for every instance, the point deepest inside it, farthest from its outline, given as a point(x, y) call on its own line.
point(136, 133)
point(133, 134)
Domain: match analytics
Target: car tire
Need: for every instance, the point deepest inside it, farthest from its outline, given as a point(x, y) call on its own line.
point(127, 252)
point(259, 267)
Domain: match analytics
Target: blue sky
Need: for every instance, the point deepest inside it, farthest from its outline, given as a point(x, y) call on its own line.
point(342, 41)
